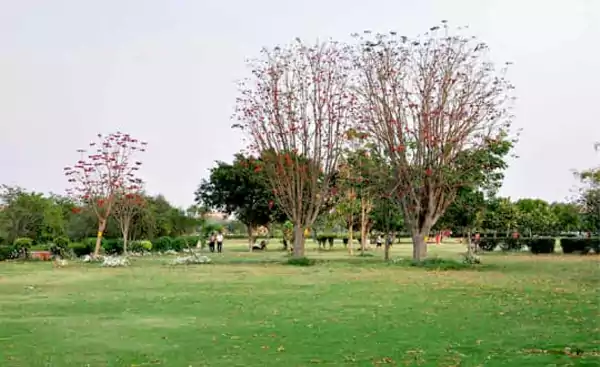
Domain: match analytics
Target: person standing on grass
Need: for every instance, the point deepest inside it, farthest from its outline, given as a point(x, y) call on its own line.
point(379, 241)
point(220, 242)
point(211, 242)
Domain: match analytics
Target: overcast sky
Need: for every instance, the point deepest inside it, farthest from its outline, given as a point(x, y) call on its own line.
point(165, 71)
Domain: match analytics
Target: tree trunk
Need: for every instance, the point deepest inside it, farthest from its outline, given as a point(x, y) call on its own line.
point(350, 238)
point(101, 228)
point(298, 240)
point(125, 238)
point(250, 239)
point(363, 225)
point(469, 244)
point(386, 252)
point(419, 245)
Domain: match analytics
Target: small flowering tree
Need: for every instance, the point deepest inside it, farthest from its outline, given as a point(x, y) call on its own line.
point(295, 110)
point(126, 207)
point(104, 172)
point(435, 107)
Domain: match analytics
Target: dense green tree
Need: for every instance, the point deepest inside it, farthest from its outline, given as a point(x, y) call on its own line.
point(23, 214)
point(568, 216)
point(535, 216)
point(500, 216)
point(589, 197)
point(240, 189)
point(465, 214)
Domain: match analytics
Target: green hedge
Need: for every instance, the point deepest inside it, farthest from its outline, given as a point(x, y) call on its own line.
point(580, 245)
point(541, 245)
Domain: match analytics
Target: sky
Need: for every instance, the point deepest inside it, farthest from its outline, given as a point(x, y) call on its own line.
point(165, 72)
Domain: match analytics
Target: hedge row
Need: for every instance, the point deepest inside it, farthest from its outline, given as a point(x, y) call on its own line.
point(541, 245)
point(63, 247)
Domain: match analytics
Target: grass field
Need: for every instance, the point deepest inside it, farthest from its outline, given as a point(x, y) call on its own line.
point(250, 310)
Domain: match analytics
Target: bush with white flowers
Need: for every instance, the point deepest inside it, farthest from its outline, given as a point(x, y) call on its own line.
point(92, 259)
point(115, 261)
point(189, 260)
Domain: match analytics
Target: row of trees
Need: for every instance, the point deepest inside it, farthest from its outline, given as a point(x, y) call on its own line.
point(47, 217)
point(240, 189)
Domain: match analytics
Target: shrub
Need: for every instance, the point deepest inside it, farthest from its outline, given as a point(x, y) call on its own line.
point(326, 238)
point(596, 245)
point(60, 247)
point(581, 245)
point(113, 246)
point(84, 248)
point(471, 259)
point(301, 261)
point(141, 246)
point(162, 244)
point(541, 245)
point(178, 244)
point(191, 240)
point(488, 243)
point(22, 246)
point(91, 243)
point(7, 253)
point(511, 244)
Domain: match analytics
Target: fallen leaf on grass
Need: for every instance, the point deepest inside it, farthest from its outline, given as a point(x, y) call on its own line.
point(281, 348)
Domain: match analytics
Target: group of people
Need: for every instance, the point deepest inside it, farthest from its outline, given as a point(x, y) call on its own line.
point(215, 238)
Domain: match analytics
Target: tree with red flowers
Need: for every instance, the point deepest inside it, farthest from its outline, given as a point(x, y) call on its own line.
point(103, 172)
point(295, 109)
point(436, 108)
point(125, 208)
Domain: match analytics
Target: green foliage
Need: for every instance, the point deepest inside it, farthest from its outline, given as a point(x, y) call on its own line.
point(300, 261)
point(162, 244)
point(580, 245)
point(387, 215)
point(512, 244)
point(435, 264)
point(141, 246)
point(535, 216)
point(465, 212)
point(60, 247)
point(541, 245)
point(326, 239)
point(489, 243)
point(178, 244)
point(23, 243)
point(81, 248)
point(6, 253)
point(113, 246)
point(240, 189)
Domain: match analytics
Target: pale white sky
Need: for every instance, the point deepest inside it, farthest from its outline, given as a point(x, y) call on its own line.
point(165, 71)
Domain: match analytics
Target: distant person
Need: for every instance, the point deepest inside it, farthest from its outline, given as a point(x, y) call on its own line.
point(390, 240)
point(220, 242)
point(379, 241)
point(211, 242)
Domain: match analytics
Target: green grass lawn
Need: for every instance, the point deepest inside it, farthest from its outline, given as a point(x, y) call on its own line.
point(249, 310)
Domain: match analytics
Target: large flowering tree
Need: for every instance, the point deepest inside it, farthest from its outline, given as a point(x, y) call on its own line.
point(104, 173)
point(437, 109)
point(295, 109)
